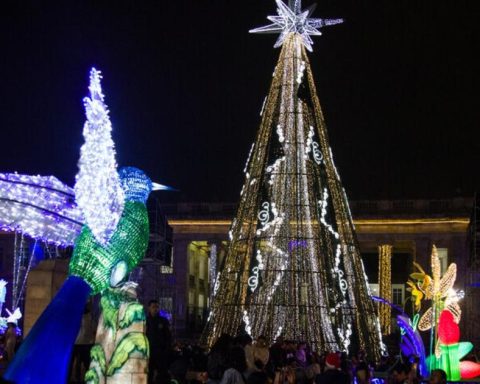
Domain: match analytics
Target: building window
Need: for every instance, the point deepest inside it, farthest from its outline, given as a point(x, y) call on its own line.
point(374, 289)
point(443, 257)
point(166, 307)
point(398, 294)
point(167, 269)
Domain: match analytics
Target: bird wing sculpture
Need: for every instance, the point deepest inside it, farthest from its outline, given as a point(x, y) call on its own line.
point(40, 206)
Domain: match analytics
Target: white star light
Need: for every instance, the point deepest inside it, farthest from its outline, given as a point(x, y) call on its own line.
point(291, 19)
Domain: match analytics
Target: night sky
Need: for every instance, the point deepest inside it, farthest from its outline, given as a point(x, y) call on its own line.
point(185, 81)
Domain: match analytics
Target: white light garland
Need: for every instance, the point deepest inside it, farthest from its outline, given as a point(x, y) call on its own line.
point(345, 336)
point(323, 205)
point(281, 137)
point(253, 279)
point(98, 190)
point(263, 105)
point(301, 70)
point(248, 327)
point(273, 169)
point(248, 158)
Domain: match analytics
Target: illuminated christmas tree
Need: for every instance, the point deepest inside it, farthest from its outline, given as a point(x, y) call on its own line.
point(293, 266)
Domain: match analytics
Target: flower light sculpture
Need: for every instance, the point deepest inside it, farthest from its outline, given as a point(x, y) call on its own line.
point(442, 319)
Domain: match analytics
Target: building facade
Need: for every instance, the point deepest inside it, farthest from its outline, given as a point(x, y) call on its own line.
point(411, 227)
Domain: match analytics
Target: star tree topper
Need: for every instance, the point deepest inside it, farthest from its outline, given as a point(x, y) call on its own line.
point(291, 19)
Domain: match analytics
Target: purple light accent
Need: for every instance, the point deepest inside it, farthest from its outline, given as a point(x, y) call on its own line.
point(166, 315)
point(384, 301)
point(41, 207)
point(292, 244)
point(412, 343)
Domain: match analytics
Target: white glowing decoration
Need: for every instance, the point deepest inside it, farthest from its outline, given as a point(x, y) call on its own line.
point(281, 137)
point(263, 106)
point(3, 293)
point(323, 205)
point(98, 190)
point(216, 285)
point(274, 168)
point(345, 336)
point(348, 206)
point(333, 164)
point(253, 279)
point(118, 273)
point(248, 158)
point(317, 154)
point(246, 319)
point(279, 332)
point(301, 70)
point(41, 206)
point(264, 218)
point(264, 214)
point(314, 147)
point(291, 19)
point(213, 266)
point(309, 142)
point(14, 316)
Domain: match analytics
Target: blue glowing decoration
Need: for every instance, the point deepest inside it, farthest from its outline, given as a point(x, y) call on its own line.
point(135, 184)
point(412, 343)
point(45, 354)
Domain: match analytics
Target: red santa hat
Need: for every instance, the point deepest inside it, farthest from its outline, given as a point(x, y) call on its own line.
point(333, 361)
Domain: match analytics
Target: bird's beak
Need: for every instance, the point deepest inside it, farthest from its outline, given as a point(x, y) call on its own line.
point(161, 187)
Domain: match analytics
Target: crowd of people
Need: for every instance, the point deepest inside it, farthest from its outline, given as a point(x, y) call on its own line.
point(241, 360)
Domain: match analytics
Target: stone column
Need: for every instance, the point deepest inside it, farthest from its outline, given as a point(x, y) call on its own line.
point(43, 283)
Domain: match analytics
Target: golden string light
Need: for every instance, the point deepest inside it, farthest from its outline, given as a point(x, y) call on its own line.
point(293, 267)
point(385, 286)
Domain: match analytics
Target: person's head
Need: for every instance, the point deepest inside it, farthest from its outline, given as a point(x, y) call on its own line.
point(438, 376)
point(261, 341)
point(153, 307)
point(400, 373)
point(223, 343)
point(246, 340)
point(257, 378)
point(362, 373)
point(236, 359)
point(178, 370)
point(332, 361)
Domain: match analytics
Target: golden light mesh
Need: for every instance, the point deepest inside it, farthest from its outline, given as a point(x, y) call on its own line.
point(294, 225)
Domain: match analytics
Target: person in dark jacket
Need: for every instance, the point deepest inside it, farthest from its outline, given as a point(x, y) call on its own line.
point(332, 373)
point(160, 340)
